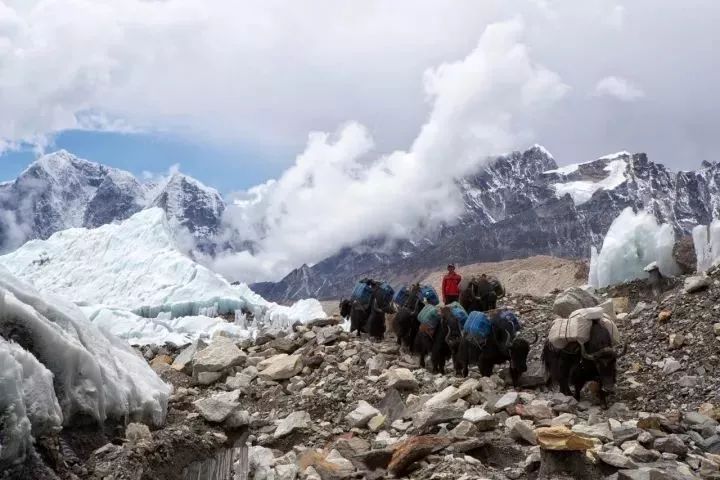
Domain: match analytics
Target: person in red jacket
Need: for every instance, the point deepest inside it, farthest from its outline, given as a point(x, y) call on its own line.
point(451, 285)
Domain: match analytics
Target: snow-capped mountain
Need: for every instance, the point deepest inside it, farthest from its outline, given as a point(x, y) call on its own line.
point(60, 191)
point(524, 204)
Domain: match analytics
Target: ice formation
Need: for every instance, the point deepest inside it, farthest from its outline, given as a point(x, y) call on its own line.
point(706, 239)
point(132, 279)
point(56, 366)
point(633, 241)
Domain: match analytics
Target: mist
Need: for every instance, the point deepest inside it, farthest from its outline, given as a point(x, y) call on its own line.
point(340, 190)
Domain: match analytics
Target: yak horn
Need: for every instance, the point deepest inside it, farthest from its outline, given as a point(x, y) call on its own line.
point(537, 337)
point(624, 350)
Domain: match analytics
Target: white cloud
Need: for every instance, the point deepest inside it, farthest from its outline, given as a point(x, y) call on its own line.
point(616, 18)
point(618, 88)
point(340, 191)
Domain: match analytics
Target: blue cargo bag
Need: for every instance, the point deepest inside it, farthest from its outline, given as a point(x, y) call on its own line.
point(429, 316)
point(459, 313)
point(509, 316)
point(402, 296)
point(429, 294)
point(362, 293)
point(387, 292)
point(478, 324)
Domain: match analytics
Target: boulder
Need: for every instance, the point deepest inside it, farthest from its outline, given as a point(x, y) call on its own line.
point(401, 379)
point(677, 340)
point(695, 284)
point(448, 395)
point(360, 417)
point(430, 416)
point(184, 360)
point(600, 431)
point(521, 430)
point(684, 254)
point(616, 459)
point(392, 405)
point(295, 421)
point(280, 367)
point(483, 420)
point(414, 449)
point(671, 444)
point(561, 438)
point(218, 407)
point(639, 453)
point(507, 400)
point(208, 378)
point(572, 299)
point(219, 355)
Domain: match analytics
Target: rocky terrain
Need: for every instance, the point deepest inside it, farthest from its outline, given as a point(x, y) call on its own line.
point(317, 403)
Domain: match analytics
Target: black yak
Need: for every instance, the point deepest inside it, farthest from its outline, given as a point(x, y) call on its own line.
point(577, 364)
point(500, 346)
point(406, 323)
point(439, 342)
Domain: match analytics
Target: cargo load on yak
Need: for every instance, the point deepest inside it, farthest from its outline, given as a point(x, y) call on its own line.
point(477, 324)
point(387, 292)
point(362, 292)
point(511, 318)
point(459, 312)
point(429, 316)
point(576, 329)
point(429, 294)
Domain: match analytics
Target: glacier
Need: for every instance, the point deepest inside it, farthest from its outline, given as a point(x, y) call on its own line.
point(706, 239)
point(633, 241)
point(132, 279)
point(57, 367)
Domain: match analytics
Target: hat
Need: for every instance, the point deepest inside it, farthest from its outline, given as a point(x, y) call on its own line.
point(451, 265)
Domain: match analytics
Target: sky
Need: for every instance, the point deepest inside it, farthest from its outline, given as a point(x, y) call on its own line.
point(281, 102)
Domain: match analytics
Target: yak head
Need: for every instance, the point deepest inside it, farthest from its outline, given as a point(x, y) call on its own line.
point(345, 308)
point(519, 350)
point(605, 362)
point(451, 327)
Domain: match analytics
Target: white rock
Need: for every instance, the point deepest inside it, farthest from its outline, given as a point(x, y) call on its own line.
point(344, 467)
point(448, 395)
point(219, 355)
point(401, 379)
point(359, 417)
point(696, 284)
point(507, 400)
point(218, 407)
point(521, 430)
point(208, 378)
point(600, 431)
point(294, 421)
point(286, 472)
point(280, 367)
point(138, 433)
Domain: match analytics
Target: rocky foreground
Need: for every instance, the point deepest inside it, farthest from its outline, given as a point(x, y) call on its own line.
point(317, 403)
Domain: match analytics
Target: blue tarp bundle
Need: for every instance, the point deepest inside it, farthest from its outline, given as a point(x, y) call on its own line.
point(510, 317)
point(387, 291)
point(478, 324)
point(362, 293)
point(429, 294)
point(459, 313)
point(429, 316)
point(402, 296)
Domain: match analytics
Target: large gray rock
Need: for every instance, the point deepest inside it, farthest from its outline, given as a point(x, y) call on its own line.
point(280, 367)
point(294, 421)
point(695, 284)
point(671, 444)
point(362, 414)
point(430, 416)
point(184, 361)
point(482, 419)
point(401, 379)
point(219, 355)
point(572, 299)
point(616, 459)
point(217, 408)
point(600, 431)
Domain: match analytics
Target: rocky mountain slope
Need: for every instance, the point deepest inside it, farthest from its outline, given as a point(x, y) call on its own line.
point(318, 404)
point(524, 205)
point(61, 191)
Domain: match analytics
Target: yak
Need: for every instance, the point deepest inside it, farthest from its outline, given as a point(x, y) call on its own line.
point(369, 318)
point(502, 345)
point(441, 342)
point(480, 294)
point(579, 363)
point(406, 323)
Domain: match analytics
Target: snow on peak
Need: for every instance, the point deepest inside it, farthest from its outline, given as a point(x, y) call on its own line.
point(542, 150)
point(135, 267)
point(566, 170)
point(615, 155)
point(582, 190)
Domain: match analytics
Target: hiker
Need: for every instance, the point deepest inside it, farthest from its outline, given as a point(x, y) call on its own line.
point(451, 285)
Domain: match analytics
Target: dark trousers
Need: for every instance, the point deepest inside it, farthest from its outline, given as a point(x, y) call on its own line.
point(451, 298)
